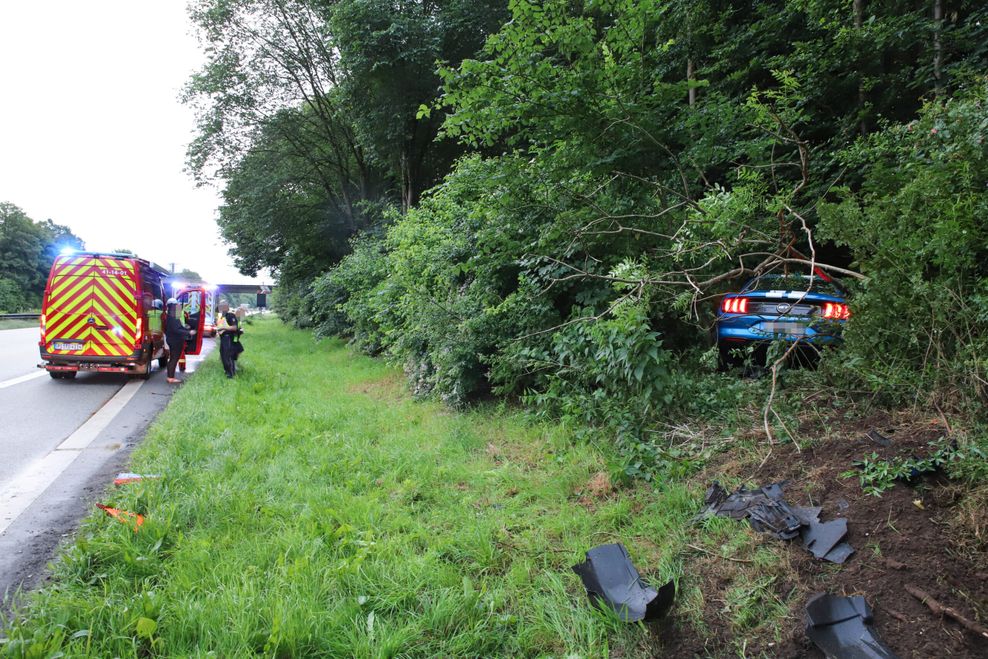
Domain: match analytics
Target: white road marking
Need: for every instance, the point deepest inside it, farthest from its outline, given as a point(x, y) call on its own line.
point(97, 423)
point(24, 378)
point(25, 487)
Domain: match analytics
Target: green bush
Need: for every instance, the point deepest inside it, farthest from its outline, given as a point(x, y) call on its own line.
point(352, 299)
point(917, 229)
point(12, 298)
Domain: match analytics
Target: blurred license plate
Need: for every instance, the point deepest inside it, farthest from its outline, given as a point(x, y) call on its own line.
point(784, 328)
point(66, 345)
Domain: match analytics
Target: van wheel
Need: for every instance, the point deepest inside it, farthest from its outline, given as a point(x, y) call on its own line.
point(70, 375)
point(146, 373)
point(163, 361)
point(55, 375)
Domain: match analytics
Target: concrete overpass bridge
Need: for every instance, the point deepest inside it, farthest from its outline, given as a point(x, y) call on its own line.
point(261, 292)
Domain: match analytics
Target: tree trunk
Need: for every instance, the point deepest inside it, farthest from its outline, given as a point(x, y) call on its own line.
point(937, 47)
point(858, 23)
point(691, 76)
point(407, 185)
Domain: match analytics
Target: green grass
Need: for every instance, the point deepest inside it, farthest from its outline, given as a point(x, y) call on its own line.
point(17, 324)
point(310, 507)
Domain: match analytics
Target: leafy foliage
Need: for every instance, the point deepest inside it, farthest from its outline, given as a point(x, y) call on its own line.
point(27, 250)
point(604, 169)
point(877, 475)
point(917, 229)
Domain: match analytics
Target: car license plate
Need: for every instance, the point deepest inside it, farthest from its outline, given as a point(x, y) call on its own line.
point(66, 345)
point(788, 329)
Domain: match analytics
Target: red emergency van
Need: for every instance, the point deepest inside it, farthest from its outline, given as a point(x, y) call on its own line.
point(103, 312)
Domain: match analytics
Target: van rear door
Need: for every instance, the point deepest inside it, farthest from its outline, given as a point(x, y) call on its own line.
point(114, 316)
point(68, 306)
point(91, 307)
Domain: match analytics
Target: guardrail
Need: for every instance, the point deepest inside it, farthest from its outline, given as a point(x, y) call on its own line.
point(20, 316)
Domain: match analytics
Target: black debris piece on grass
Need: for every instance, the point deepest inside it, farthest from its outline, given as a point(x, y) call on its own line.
point(610, 578)
point(767, 512)
point(878, 438)
point(841, 627)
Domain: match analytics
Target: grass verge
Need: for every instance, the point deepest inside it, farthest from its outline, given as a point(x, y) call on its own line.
point(311, 508)
point(17, 324)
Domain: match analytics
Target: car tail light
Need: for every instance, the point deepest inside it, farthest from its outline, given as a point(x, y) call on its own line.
point(836, 311)
point(735, 305)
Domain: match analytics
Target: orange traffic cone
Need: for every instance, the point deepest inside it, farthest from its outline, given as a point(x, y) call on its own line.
point(124, 516)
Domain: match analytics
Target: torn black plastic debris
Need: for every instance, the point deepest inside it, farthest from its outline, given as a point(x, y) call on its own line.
point(763, 507)
point(825, 540)
point(768, 512)
point(878, 438)
point(611, 578)
point(841, 627)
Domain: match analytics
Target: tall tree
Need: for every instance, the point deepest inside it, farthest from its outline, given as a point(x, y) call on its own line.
point(27, 250)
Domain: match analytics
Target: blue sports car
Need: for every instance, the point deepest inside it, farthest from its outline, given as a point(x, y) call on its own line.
point(780, 307)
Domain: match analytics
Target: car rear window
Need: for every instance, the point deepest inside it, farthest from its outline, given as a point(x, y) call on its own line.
point(792, 283)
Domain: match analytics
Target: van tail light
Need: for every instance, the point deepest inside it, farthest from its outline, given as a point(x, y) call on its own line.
point(44, 327)
point(735, 305)
point(140, 332)
point(836, 311)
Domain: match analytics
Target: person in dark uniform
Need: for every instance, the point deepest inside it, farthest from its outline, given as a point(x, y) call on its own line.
point(228, 328)
point(176, 334)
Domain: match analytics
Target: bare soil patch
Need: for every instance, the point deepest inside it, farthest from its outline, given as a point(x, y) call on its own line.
point(389, 388)
point(927, 534)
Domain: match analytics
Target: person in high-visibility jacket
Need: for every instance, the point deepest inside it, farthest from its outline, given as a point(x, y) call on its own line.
point(227, 327)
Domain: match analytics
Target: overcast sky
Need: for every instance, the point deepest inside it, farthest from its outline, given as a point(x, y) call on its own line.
point(92, 134)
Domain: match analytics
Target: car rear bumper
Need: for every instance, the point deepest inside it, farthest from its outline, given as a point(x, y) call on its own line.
point(756, 329)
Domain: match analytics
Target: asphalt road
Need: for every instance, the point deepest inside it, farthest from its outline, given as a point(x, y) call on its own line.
point(61, 443)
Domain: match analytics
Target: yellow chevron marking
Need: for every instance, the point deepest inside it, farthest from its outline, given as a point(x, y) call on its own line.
point(73, 321)
point(121, 290)
point(108, 343)
point(123, 322)
point(54, 321)
point(79, 332)
point(116, 306)
point(59, 290)
point(68, 280)
point(71, 299)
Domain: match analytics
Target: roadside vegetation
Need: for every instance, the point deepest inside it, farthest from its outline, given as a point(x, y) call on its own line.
point(529, 212)
point(541, 204)
point(313, 506)
point(27, 250)
point(17, 324)
point(552, 213)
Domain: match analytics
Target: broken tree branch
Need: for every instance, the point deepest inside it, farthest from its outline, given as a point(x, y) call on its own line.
point(941, 610)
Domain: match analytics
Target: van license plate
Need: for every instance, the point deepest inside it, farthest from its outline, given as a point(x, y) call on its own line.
point(65, 345)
